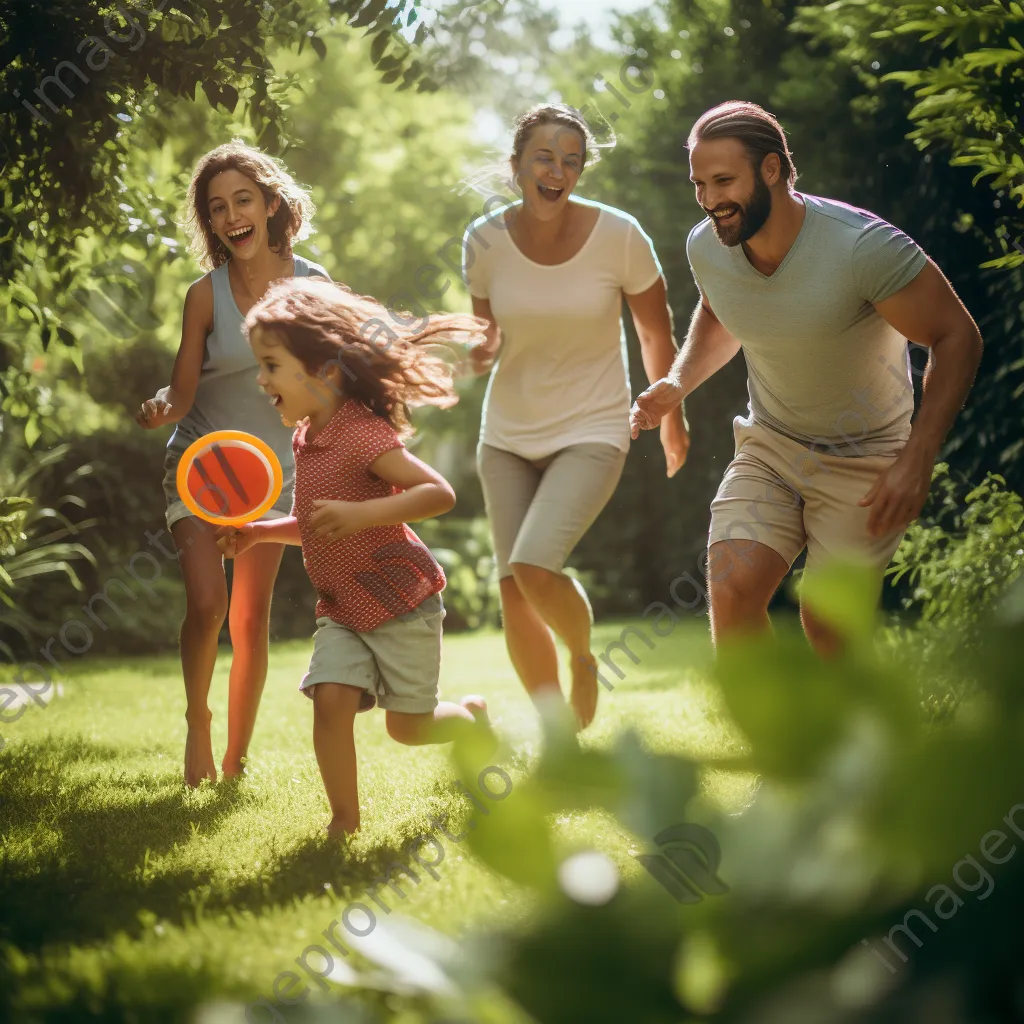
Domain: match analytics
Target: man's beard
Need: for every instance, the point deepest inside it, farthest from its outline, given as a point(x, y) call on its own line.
point(751, 219)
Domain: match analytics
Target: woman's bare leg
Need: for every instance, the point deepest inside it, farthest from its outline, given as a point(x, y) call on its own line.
point(206, 597)
point(334, 711)
point(249, 621)
point(530, 644)
point(558, 602)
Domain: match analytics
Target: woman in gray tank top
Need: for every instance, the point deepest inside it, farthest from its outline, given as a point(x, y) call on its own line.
point(243, 212)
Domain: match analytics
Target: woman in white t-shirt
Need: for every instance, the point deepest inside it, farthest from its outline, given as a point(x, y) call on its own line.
point(549, 274)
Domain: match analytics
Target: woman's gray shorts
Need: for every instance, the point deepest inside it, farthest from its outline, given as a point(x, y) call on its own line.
point(177, 509)
point(540, 508)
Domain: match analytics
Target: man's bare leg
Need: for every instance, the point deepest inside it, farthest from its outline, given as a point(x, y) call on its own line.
point(743, 576)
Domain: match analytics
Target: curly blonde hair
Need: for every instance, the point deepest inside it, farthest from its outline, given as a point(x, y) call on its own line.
point(290, 223)
point(324, 324)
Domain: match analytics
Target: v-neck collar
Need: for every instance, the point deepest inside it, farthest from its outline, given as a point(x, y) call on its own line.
point(800, 236)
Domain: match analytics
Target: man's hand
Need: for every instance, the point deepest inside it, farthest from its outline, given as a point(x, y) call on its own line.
point(652, 405)
point(235, 540)
point(333, 520)
point(898, 495)
point(156, 411)
point(675, 441)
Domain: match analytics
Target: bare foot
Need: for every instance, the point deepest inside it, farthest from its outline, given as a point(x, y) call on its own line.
point(341, 826)
point(199, 756)
point(234, 768)
point(584, 688)
point(486, 739)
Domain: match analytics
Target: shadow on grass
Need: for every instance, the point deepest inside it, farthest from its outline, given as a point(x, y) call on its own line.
point(85, 874)
point(74, 863)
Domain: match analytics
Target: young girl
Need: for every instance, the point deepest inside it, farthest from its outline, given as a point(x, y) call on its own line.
point(244, 211)
point(379, 612)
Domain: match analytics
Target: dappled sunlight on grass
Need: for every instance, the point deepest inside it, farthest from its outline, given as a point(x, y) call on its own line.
point(113, 869)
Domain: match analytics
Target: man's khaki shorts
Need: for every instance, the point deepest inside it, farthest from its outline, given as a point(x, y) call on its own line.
point(784, 495)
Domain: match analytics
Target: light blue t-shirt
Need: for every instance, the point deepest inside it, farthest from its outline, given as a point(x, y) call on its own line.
point(227, 396)
point(823, 367)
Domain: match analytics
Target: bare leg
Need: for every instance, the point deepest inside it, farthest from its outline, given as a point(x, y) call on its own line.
point(554, 597)
point(822, 638)
point(446, 723)
point(334, 711)
point(743, 576)
point(530, 644)
point(206, 596)
point(249, 622)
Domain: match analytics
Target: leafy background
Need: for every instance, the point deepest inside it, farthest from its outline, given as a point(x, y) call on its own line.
point(877, 772)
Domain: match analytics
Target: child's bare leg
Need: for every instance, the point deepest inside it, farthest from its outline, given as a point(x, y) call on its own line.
point(206, 593)
point(447, 722)
point(249, 622)
point(334, 711)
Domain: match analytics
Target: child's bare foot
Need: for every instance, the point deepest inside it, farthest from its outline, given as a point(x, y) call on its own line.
point(486, 740)
point(584, 688)
point(341, 826)
point(199, 756)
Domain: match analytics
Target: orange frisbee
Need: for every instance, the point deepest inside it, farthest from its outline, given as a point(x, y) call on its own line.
point(229, 477)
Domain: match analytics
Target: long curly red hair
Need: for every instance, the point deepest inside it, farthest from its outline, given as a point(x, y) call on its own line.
point(386, 364)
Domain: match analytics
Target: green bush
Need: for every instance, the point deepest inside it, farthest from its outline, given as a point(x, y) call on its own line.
point(961, 557)
point(463, 547)
point(35, 545)
point(871, 829)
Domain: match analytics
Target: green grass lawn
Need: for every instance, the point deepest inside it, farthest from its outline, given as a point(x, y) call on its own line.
point(127, 897)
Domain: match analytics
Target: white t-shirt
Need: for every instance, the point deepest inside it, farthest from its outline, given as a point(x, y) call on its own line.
point(562, 375)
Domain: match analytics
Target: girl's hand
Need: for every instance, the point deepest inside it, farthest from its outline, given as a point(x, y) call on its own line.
point(333, 520)
point(675, 441)
point(156, 411)
point(235, 540)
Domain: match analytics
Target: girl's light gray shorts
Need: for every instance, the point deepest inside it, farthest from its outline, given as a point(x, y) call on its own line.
point(398, 664)
point(539, 509)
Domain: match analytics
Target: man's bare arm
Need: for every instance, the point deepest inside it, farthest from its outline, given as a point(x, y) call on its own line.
point(927, 311)
point(708, 347)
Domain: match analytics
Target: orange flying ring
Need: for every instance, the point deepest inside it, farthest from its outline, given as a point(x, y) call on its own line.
point(229, 477)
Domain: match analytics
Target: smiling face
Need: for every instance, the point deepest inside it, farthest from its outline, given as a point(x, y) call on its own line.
point(291, 389)
point(737, 198)
point(549, 168)
point(238, 213)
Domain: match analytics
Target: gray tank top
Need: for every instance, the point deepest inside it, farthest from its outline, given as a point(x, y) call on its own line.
point(227, 396)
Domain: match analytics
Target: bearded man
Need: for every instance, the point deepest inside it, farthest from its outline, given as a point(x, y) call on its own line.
point(822, 299)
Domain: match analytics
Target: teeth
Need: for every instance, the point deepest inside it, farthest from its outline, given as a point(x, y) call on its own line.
point(239, 231)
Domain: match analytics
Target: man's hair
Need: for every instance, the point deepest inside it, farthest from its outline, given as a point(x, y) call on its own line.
point(758, 130)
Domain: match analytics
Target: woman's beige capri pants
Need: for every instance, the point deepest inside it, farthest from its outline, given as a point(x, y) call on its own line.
point(540, 508)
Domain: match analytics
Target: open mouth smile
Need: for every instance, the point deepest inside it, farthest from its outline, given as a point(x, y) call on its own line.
point(552, 195)
point(240, 236)
point(725, 217)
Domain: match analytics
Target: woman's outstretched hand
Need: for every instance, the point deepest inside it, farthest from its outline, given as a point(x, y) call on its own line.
point(675, 441)
point(156, 411)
